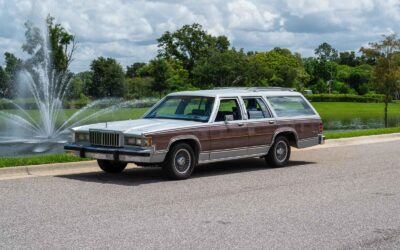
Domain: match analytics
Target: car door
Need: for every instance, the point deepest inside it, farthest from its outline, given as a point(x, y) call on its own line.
point(228, 131)
point(261, 125)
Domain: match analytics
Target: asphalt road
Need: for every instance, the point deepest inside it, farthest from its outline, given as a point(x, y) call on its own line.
point(330, 198)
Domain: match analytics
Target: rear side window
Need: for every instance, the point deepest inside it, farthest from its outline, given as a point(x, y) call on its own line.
point(256, 108)
point(290, 106)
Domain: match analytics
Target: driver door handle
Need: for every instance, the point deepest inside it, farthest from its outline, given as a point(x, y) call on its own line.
point(271, 122)
point(240, 124)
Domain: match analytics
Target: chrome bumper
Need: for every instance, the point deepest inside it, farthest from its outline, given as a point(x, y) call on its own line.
point(116, 154)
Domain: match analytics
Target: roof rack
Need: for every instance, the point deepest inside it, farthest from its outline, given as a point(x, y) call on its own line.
point(258, 89)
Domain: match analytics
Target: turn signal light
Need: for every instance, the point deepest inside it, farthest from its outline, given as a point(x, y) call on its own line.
point(321, 128)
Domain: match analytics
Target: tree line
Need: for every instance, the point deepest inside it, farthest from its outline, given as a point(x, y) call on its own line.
point(191, 58)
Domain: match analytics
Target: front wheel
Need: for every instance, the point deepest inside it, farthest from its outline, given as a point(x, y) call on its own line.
point(112, 167)
point(279, 153)
point(180, 162)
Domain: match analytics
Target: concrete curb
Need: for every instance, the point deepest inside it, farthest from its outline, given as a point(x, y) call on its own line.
point(47, 169)
point(91, 166)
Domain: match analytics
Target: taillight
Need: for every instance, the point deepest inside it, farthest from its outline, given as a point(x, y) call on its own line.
point(321, 128)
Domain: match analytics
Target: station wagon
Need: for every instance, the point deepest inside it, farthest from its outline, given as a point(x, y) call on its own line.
point(188, 128)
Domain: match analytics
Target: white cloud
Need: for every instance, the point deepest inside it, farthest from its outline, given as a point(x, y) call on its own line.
point(244, 14)
point(127, 30)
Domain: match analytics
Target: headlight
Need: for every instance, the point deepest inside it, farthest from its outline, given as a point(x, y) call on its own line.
point(80, 137)
point(135, 141)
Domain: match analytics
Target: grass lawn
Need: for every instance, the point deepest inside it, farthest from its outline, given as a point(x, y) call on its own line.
point(364, 132)
point(349, 110)
point(38, 159)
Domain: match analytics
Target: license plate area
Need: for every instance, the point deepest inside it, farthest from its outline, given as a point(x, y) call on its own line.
point(100, 156)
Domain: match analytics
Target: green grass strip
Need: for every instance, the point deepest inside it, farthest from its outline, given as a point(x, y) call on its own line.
point(365, 132)
point(38, 159)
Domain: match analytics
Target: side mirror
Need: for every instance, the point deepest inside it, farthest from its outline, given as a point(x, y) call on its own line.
point(228, 118)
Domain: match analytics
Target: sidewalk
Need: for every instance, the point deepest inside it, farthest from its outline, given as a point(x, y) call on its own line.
point(91, 166)
point(356, 141)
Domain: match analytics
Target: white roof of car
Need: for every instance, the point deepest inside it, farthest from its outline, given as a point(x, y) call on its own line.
point(250, 91)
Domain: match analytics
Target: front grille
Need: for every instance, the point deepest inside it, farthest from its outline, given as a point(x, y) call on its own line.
point(102, 138)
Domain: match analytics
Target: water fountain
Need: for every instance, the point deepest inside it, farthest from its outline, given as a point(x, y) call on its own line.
point(22, 133)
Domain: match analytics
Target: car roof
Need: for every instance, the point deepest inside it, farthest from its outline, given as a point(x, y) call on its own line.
point(249, 91)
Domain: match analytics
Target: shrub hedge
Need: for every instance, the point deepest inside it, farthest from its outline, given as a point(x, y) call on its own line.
point(345, 98)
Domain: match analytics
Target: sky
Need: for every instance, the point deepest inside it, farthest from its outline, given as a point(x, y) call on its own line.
point(127, 30)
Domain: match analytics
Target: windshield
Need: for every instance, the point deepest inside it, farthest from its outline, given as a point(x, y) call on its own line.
point(192, 108)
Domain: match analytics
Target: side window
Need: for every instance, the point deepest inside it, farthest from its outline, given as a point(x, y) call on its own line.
point(256, 108)
point(228, 107)
point(290, 106)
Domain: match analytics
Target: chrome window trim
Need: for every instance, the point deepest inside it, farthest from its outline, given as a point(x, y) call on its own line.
point(298, 118)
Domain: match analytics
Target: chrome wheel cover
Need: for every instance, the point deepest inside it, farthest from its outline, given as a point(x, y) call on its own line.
point(182, 161)
point(281, 151)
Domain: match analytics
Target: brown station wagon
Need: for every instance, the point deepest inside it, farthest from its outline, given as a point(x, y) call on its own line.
point(185, 129)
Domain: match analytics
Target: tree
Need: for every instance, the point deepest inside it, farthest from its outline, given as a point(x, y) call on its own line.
point(161, 73)
point(349, 58)
point(133, 70)
point(258, 73)
point(86, 79)
point(107, 79)
point(13, 65)
point(62, 45)
point(325, 52)
point(386, 75)
point(4, 83)
point(168, 75)
point(138, 87)
point(287, 68)
point(79, 85)
point(188, 44)
point(323, 68)
point(178, 79)
point(221, 69)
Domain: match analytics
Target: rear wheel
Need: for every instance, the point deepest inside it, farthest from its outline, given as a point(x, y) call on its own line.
point(279, 153)
point(112, 166)
point(180, 162)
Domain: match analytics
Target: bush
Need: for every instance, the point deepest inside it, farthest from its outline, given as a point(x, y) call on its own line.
point(78, 103)
point(27, 103)
point(345, 98)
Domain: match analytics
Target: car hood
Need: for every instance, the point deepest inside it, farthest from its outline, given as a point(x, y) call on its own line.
point(139, 126)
